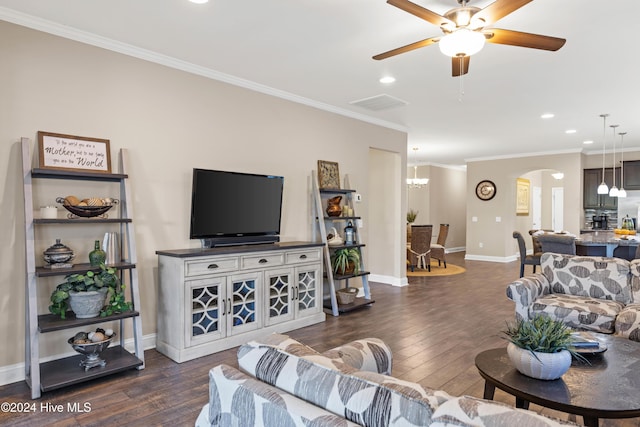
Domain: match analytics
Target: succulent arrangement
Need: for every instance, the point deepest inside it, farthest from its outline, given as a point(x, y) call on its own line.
point(107, 278)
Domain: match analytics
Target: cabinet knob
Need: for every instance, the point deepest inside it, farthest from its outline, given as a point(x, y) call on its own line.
point(303, 256)
point(212, 266)
point(263, 261)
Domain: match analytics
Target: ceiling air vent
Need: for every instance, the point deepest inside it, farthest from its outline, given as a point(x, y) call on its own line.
point(379, 102)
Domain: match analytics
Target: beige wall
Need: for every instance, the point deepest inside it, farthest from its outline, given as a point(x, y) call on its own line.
point(490, 240)
point(442, 201)
point(170, 121)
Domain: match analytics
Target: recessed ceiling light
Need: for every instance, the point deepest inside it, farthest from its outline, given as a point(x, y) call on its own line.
point(587, 142)
point(570, 131)
point(199, 1)
point(387, 79)
point(547, 116)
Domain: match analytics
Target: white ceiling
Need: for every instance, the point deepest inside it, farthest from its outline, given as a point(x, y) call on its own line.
point(319, 52)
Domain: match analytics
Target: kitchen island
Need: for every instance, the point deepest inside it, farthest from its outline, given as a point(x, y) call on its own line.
point(607, 243)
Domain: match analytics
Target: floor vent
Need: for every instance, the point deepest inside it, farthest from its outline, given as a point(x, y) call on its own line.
point(379, 102)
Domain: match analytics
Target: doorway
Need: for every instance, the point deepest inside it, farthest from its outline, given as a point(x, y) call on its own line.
point(536, 208)
point(557, 208)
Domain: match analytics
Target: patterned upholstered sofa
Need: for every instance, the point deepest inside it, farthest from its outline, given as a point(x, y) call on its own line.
point(591, 293)
point(286, 383)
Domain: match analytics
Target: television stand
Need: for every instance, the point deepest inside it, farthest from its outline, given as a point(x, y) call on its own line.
point(212, 299)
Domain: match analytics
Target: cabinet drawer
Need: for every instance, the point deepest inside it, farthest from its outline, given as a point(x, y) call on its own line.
point(300, 257)
point(264, 260)
point(209, 266)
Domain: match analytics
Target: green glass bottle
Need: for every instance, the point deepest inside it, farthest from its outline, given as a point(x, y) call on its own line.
point(97, 256)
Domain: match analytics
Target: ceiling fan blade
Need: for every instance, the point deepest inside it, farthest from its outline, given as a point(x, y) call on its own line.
point(421, 12)
point(459, 65)
point(407, 48)
point(517, 38)
point(498, 9)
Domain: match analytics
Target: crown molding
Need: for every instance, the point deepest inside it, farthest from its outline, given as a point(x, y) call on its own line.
point(56, 29)
point(517, 156)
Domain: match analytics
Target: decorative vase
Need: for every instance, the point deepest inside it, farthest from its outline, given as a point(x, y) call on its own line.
point(97, 256)
point(542, 366)
point(87, 304)
point(333, 206)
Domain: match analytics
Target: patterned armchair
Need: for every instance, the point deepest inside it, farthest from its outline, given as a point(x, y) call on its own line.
point(590, 293)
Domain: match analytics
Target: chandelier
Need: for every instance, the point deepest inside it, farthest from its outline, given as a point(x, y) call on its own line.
point(416, 182)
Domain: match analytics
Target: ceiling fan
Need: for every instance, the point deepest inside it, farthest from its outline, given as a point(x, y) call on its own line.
point(465, 33)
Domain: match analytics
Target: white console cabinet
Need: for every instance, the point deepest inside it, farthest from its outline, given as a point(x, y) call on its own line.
point(213, 299)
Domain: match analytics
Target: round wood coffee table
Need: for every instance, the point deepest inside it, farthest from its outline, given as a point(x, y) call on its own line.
point(608, 388)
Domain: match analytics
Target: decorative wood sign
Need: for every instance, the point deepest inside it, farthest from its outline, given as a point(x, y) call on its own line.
point(75, 153)
point(328, 175)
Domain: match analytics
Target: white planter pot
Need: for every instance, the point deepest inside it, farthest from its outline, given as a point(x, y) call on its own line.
point(547, 366)
point(87, 304)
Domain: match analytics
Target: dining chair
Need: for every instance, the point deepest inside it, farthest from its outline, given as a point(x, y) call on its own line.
point(420, 251)
point(537, 248)
point(525, 259)
point(558, 243)
point(438, 249)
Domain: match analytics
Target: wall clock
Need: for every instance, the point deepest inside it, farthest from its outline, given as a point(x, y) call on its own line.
point(485, 190)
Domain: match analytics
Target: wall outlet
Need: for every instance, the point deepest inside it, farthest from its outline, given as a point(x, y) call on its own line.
point(357, 197)
point(498, 219)
point(481, 244)
point(474, 219)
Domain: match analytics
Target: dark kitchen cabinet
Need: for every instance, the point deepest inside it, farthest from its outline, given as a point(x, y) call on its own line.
point(592, 179)
point(632, 175)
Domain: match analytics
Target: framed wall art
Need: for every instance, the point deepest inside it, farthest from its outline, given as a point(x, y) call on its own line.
point(522, 196)
point(328, 175)
point(73, 153)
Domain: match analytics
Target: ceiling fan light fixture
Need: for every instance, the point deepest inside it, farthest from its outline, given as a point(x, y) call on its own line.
point(463, 42)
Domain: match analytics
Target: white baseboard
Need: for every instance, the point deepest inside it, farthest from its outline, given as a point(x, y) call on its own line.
point(14, 373)
point(472, 257)
point(389, 280)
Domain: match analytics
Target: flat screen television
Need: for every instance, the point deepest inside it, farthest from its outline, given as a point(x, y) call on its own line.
point(233, 208)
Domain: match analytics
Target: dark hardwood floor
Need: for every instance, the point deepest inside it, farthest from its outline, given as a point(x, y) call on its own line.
point(435, 328)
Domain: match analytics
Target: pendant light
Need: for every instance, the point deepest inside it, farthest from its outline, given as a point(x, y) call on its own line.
point(613, 192)
point(622, 192)
point(603, 188)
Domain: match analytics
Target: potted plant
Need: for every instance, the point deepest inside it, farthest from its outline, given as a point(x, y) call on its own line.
point(411, 216)
point(346, 261)
point(90, 294)
point(541, 347)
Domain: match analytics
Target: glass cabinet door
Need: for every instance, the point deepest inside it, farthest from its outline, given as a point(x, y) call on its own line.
point(205, 319)
point(243, 311)
point(279, 302)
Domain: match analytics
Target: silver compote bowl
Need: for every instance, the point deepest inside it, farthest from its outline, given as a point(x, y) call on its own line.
point(91, 350)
